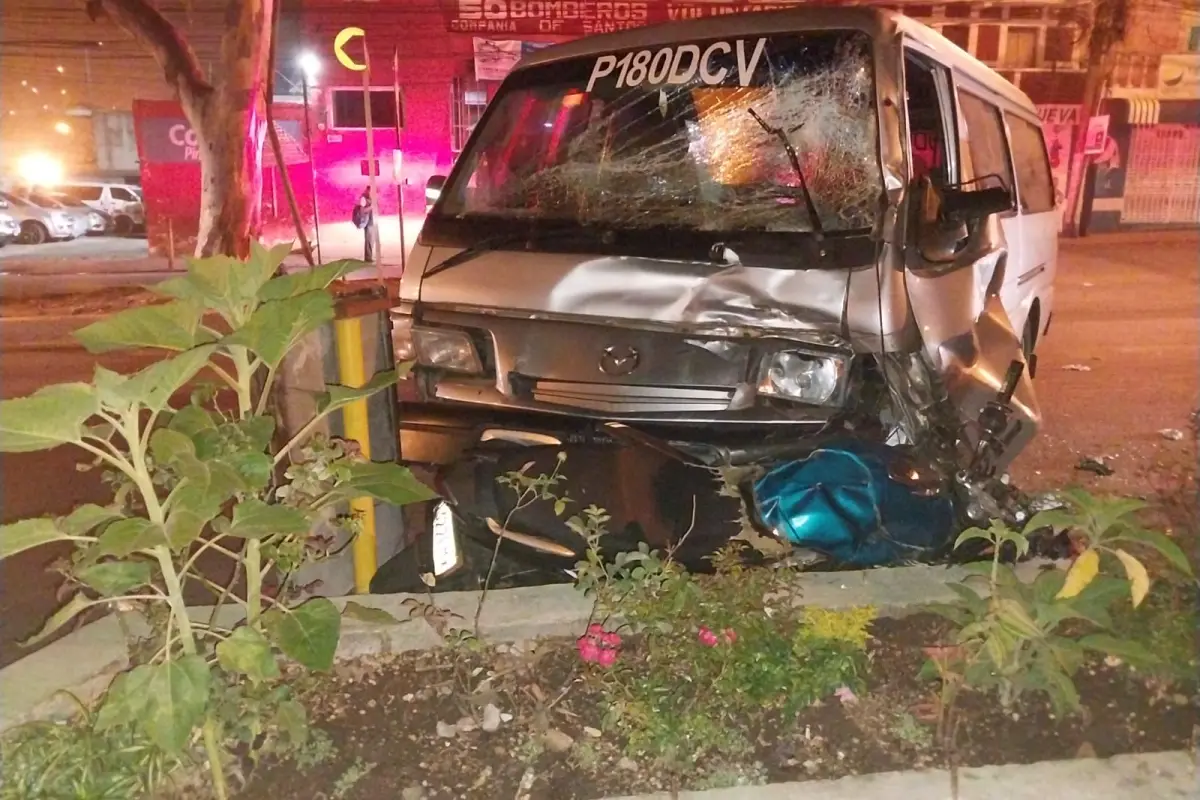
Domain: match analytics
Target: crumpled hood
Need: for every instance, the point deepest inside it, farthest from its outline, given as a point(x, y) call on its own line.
point(696, 295)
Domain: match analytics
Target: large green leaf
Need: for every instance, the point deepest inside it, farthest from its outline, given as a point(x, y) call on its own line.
point(277, 326)
point(308, 633)
point(368, 614)
point(247, 652)
point(86, 518)
point(384, 481)
point(319, 278)
point(49, 417)
point(124, 702)
point(338, 396)
point(112, 578)
point(68, 612)
point(127, 536)
point(155, 384)
point(1159, 541)
point(176, 698)
point(222, 283)
point(192, 420)
point(169, 326)
point(1121, 648)
point(254, 519)
point(169, 446)
point(17, 537)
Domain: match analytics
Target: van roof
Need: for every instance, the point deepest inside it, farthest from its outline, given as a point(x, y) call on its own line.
point(874, 21)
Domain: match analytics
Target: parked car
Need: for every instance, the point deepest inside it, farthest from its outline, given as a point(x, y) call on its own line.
point(83, 217)
point(46, 222)
point(9, 229)
point(99, 223)
point(121, 201)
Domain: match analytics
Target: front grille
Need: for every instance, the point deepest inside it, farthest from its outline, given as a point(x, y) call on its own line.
point(630, 399)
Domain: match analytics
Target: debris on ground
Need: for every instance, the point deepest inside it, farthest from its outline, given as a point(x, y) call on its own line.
point(1172, 434)
point(1077, 368)
point(1097, 465)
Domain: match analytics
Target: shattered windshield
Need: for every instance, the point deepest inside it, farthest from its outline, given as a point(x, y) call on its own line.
point(668, 137)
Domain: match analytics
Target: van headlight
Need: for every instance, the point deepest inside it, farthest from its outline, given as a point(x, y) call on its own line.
point(804, 377)
point(440, 348)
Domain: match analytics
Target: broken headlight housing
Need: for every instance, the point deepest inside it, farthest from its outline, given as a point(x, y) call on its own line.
point(804, 377)
point(439, 348)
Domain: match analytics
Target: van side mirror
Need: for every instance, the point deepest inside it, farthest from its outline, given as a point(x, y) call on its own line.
point(433, 189)
point(948, 216)
point(974, 204)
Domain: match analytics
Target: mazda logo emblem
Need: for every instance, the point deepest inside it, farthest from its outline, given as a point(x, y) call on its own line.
point(619, 360)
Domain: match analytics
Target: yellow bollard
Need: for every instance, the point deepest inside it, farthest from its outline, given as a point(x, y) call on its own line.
point(352, 373)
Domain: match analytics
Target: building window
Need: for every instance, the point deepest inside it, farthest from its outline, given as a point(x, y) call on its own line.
point(468, 99)
point(348, 112)
point(987, 43)
point(959, 34)
point(1194, 40)
point(1020, 51)
point(1060, 44)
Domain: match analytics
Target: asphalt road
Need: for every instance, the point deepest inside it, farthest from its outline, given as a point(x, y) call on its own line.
point(1127, 311)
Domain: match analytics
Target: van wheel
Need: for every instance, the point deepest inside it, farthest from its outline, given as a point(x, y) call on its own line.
point(124, 226)
point(34, 233)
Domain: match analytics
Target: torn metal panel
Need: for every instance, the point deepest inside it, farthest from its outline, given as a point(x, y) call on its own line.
point(970, 341)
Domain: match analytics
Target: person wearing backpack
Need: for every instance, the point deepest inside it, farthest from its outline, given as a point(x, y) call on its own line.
point(364, 219)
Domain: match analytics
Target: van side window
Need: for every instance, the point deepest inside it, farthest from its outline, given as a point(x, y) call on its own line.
point(83, 192)
point(1033, 166)
point(927, 128)
point(120, 193)
point(985, 139)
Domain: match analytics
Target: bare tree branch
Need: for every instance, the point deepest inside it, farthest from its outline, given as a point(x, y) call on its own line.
point(143, 21)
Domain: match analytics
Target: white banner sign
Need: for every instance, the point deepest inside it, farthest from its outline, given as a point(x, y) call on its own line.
point(495, 58)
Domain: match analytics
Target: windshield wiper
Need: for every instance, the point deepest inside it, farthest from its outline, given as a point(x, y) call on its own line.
point(478, 249)
point(531, 239)
point(781, 135)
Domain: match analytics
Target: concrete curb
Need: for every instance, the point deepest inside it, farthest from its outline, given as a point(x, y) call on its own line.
point(85, 661)
point(1161, 776)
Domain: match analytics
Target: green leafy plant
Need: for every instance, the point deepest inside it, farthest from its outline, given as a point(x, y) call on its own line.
point(205, 474)
point(1101, 526)
point(713, 651)
point(1034, 637)
point(74, 759)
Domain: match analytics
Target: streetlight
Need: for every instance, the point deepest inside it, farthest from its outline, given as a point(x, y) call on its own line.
point(310, 67)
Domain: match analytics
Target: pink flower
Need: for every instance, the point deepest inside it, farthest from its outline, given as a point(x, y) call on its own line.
point(707, 637)
point(599, 646)
point(588, 649)
point(847, 696)
point(730, 635)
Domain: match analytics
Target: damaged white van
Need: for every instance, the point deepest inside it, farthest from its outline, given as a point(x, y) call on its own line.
point(816, 244)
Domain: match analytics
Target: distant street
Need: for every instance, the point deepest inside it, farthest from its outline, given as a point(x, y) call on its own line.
point(1121, 363)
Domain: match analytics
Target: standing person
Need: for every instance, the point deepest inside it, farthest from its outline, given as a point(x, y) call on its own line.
point(364, 219)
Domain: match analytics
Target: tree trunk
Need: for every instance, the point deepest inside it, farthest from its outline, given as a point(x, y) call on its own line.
point(1093, 96)
point(228, 114)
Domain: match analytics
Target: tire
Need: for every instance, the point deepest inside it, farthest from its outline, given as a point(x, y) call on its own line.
point(124, 226)
point(34, 233)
